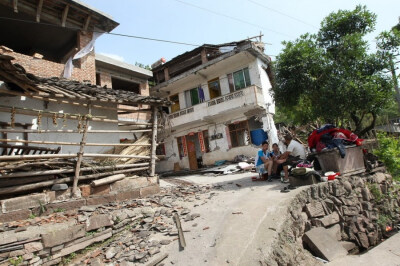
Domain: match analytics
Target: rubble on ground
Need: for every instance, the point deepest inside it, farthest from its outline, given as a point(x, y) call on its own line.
point(122, 233)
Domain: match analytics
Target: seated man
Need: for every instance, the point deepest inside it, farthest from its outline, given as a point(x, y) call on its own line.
point(275, 155)
point(295, 151)
point(264, 162)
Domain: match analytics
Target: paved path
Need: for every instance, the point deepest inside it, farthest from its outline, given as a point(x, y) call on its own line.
point(222, 237)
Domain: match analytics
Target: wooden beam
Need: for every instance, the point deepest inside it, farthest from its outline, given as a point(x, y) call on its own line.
point(15, 6)
point(153, 144)
point(86, 23)
point(39, 10)
point(107, 180)
point(64, 16)
point(80, 154)
point(66, 171)
point(70, 143)
point(32, 131)
point(22, 188)
point(48, 156)
point(63, 101)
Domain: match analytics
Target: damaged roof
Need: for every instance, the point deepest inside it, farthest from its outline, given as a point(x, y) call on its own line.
point(15, 76)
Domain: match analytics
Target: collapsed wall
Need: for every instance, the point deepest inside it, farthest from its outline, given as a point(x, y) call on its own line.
point(357, 211)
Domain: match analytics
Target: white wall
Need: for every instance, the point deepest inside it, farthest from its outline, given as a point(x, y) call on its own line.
point(47, 123)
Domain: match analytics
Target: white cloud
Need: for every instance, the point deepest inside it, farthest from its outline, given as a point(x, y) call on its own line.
point(114, 56)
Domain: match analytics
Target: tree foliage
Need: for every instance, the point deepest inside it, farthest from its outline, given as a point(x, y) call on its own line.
point(331, 76)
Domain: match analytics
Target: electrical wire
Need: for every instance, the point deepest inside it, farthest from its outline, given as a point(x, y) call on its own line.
point(283, 14)
point(233, 18)
point(116, 34)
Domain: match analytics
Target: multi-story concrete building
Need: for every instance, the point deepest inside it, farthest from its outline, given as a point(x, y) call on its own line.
point(221, 104)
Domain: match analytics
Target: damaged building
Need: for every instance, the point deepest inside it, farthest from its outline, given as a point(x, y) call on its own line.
point(221, 104)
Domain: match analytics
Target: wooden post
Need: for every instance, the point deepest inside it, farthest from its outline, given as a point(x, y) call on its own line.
point(153, 143)
point(80, 153)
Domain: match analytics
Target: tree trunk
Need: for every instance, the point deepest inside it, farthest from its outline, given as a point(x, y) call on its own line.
point(368, 128)
point(395, 82)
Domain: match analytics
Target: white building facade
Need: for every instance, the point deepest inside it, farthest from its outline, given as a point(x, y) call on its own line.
point(221, 105)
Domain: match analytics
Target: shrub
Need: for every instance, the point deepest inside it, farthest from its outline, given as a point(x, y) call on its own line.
point(389, 153)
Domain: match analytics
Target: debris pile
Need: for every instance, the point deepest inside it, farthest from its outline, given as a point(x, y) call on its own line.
point(123, 233)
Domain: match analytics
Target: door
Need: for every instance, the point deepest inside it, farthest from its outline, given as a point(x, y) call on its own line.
point(192, 155)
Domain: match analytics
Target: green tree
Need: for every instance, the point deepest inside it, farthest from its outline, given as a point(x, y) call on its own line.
point(330, 76)
point(388, 43)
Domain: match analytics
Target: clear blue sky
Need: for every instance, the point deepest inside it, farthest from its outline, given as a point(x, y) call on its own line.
point(176, 21)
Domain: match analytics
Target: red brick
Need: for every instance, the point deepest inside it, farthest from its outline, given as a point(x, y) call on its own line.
point(85, 190)
point(100, 190)
point(14, 216)
point(99, 200)
point(148, 191)
point(126, 195)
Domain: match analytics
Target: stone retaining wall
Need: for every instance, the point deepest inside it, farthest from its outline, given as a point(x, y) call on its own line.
point(19, 208)
point(355, 210)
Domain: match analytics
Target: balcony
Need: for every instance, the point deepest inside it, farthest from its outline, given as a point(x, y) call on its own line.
point(222, 108)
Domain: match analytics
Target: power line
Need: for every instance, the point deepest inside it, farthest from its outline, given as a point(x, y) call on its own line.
point(115, 34)
point(233, 18)
point(283, 14)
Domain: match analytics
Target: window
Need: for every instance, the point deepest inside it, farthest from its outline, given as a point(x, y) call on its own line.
point(239, 133)
point(175, 103)
point(194, 96)
point(214, 88)
point(239, 79)
point(160, 150)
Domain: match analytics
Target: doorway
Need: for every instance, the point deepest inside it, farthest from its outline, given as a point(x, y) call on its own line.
point(194, 151)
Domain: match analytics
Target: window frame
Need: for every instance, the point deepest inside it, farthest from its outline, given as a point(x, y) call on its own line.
point(233, 132)
point(231, 79)
point(176, 103)
point(219, 87)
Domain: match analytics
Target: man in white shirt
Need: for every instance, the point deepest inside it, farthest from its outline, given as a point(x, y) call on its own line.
point(295, 151)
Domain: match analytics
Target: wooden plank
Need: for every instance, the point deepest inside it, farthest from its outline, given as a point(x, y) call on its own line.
point(33, 131)
point(86, 23)
point(71, 143)
point(80, 154)
point(64, 16)
point(153, 143)
point(182, 241)
point(28, 187)
point(107, 180)
point(39, 10)
point(66, 171)
point(48, 156)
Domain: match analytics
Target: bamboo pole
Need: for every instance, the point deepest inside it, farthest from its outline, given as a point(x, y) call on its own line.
point(71, 131)
point(66, 171)
point(17, 189)
point(153, 143)
point(107, 180)
point(71, 143)
point(80, 153)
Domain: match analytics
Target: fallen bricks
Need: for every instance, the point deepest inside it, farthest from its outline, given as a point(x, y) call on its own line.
point(124, 229)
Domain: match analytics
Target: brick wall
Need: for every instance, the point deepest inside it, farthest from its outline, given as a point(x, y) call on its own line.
point(84, 69)
point(105, 79)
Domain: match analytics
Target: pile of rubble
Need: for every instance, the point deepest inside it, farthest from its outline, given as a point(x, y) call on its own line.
point(122, 232)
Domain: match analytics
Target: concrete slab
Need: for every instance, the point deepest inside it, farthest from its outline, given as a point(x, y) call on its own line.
point(320, 241)
point(385, 254)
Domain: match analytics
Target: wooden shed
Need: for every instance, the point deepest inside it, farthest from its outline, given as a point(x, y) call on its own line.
point(50, 127)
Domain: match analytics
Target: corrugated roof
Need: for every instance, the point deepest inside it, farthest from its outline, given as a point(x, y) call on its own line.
point(65, 88)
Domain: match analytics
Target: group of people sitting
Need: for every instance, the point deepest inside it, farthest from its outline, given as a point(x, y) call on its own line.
point(269, 164)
